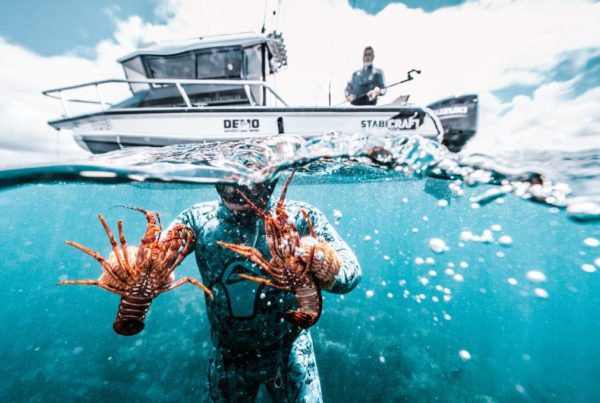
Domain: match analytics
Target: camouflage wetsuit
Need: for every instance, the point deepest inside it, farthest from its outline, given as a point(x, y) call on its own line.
point(363, 81)
point(253, 343)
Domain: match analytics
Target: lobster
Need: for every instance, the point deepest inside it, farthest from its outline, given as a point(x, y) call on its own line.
point(287, 270)
point(140, 274)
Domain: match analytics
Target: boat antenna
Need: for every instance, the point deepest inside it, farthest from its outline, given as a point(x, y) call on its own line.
point(264, 26)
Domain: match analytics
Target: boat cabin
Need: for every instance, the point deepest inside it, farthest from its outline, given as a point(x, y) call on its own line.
point(232, 57)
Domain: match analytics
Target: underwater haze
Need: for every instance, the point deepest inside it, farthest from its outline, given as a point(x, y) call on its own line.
point(480, 281)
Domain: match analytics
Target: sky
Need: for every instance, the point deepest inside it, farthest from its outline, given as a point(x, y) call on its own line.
point(535, 64)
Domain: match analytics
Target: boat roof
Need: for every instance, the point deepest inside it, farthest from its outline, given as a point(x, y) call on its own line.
point(239, 39)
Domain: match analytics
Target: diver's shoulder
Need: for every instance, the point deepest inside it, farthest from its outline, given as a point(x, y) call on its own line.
point(297, 206)
point(207, 208)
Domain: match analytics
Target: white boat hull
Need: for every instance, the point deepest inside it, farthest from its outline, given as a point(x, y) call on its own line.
point(113, 129)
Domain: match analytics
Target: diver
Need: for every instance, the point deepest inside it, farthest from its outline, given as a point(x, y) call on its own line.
point(367, 84)
point(253, 344)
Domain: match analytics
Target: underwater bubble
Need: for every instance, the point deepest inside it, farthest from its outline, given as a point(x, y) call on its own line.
point(447, 298)
point(423, 281)
point(475, 206)
point(464, 264)
point(505, 240)
point(442, 203)
point(512, 281)
point(383, 283)
point(390, 295)
point(466, 236)
point(263, 295)
point(406, 293)
point(430, 260)
point(386, 257)
point(109, 358)
point(435, 299)
point(540, 293)
point(447, 291)
point(439, 288)
point(382, 359)
point(402, 283)
point(449, 272)
point(464, 355)
point(438, 245)
point(139, 342)
point(268, 303)
point(535, 276)
point(425, 218)
point(588, 268)
point(487, 236)
point(496, 227)
point(405, 200)
point(591, 242)
point(419, 261)
point(458, 277)
point(597, 262)
point(337, 215)
point(500, 254)
point(367, 237)
point(432, 273)
point(447, 316)
point(369, 293)
point(77, 350)
point(415, 230)
point(519, 388)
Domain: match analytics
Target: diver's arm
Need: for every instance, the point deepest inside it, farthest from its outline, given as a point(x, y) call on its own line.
point(350, 273)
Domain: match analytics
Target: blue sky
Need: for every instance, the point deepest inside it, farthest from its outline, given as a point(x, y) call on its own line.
point(60, 26)
point(535, 64)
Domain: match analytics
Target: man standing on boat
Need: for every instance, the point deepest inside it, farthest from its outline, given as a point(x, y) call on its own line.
point(367, 84)
point(253, 344)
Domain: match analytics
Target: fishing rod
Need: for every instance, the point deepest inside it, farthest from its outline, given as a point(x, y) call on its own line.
point(409, 77)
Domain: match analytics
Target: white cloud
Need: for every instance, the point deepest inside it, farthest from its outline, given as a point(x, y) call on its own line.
point(477, 47)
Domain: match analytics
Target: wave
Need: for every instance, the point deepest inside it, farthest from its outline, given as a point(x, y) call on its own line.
point(538, 177)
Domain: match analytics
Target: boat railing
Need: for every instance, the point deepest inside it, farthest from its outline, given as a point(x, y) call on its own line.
point(60, 93)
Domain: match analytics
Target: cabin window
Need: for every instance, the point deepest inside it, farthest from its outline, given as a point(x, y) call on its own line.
point(180, 66)
point(219, 64)
point(134, 70)
point(253, 71)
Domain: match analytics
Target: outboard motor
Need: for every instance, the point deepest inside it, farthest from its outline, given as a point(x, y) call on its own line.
point(458, 116)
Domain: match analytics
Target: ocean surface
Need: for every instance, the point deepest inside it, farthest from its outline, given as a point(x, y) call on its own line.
point(481, 277)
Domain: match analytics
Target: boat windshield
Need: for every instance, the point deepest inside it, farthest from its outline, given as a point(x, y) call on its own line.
point(202, 64)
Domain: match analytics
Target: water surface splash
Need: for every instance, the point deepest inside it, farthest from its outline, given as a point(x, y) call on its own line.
point(372, 156)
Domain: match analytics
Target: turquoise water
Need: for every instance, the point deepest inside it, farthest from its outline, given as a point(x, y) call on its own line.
point(472, 322)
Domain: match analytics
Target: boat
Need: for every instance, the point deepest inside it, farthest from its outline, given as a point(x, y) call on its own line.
point(221, 88)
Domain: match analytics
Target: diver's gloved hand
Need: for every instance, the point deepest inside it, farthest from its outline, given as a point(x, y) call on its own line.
point(326, 262)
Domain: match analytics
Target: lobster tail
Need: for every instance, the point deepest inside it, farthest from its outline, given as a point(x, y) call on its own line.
point(301, 319)
point(131, 315)
point(309, 304)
